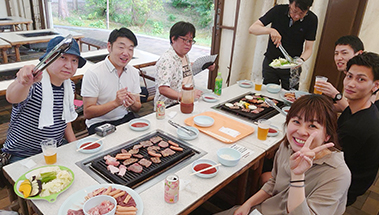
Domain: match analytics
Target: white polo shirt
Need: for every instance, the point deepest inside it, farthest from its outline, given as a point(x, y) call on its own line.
point(102, 82)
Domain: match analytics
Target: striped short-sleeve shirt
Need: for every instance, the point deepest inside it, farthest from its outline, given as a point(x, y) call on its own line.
point(24, 136)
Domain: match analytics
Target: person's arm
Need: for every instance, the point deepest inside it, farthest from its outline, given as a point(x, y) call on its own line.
point(308, 47)
point(92, 110)
point(169, 93)
point(256, 199)
point(18, 90)
point(329, 90)
point(69, 133)
point(257, 28)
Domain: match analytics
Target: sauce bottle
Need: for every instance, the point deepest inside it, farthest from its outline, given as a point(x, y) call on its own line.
point(188, 97)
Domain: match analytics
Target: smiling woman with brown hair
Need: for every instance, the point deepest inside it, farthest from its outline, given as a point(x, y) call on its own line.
point(309, 176)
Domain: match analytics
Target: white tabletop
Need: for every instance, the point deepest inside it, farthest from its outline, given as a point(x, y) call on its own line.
point(16, 37)
point(152, 197)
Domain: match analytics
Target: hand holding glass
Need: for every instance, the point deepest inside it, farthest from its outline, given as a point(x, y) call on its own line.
point(319, 79)
point(49, 149)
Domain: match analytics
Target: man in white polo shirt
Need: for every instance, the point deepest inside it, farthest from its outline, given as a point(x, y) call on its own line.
point(111, 87)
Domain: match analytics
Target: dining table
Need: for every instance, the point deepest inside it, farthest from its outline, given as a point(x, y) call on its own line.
point(4, 46)
point(14, 22)
point(194, 190)
point(19, 38)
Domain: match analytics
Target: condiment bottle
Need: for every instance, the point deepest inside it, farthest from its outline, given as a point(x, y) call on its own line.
point(218, 84)
point(188, 97)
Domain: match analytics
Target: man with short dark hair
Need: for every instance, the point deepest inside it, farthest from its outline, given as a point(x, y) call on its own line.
point(358, 130)
point(111, 87)
point(294, 26)
point(346, 47)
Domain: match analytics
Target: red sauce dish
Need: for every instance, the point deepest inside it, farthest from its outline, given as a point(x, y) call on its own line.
point(93, 146)
point(271, 130)
point(139, 124)
point(207, 97)
point(201, 166)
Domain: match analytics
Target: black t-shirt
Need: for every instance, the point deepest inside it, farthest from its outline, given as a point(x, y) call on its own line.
point(377, 103)
point(292, 37)
point(358, 135)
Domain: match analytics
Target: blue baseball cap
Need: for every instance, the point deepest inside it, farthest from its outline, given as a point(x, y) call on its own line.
point(74, 49)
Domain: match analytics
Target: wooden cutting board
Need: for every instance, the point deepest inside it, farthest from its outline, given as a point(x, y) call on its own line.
point(219, 122)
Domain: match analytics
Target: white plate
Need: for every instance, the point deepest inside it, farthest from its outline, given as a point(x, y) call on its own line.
point(285, 66)
point(203, 121)
point(76, 200)
point(208, 97)
point(86, 140)
point(206, 161)
point(139, 121)
point(185, 136)
point(273, 134)
point(245, 83)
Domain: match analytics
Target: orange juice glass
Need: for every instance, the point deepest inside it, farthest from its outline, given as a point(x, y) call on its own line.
point(319, 79)
point(49, 149)
point(263, 127)
point(258, 84)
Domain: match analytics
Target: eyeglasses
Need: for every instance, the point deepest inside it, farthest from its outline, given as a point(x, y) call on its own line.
point(188, 41)
point(299, 12)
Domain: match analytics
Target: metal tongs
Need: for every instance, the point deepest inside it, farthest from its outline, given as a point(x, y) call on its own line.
point(176, 125)
point(285, 53)
point(50, 57)
point(272, 104)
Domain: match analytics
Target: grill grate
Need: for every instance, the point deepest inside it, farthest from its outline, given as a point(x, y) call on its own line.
point(267, 113)
point(132, 179)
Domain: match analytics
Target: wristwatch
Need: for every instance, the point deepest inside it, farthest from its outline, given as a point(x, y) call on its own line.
point(337, 97)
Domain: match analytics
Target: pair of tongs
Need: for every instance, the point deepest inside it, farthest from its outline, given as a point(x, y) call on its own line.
point(272, 104)
point(285, 53)
point(176, 125)
point(56, 52)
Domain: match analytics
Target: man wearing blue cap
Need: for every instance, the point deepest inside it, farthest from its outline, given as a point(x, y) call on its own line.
point(43, 106)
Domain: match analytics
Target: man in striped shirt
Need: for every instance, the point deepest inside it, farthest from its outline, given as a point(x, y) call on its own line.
point(27, 92)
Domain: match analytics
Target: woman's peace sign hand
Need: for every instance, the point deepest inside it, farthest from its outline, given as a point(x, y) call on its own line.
point(302, 160)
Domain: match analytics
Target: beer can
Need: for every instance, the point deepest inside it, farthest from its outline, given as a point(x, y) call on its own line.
point(160, 110)
point(171, 189)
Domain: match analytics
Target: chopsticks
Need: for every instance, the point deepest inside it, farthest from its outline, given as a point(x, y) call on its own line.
point(208, 168)
point(137, 94)
point(84, 147)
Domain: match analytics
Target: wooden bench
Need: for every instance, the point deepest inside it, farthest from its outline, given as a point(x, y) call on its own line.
point(92, 42)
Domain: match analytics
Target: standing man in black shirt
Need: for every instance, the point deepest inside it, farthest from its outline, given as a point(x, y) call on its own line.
point(358, 130)
point(294, 26)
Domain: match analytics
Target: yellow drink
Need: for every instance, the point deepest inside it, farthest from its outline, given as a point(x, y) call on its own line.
point(263, 127)
point(315, 91)
point(262, 133)
point(50, 155)
point(258, 87)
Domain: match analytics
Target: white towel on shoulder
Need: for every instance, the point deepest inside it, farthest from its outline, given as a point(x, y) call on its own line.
point(69, 114)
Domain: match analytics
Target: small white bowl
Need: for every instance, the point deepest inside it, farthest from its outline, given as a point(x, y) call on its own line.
point(245, 83)
point(273, 88)
point(228, 156)
point(97, 200)
point(185, 136)
point(209, 97)
point(139, 124)
point(204, 161)
point(203, 121)
point(271, 132)
point(286, 108)
point(89, 140)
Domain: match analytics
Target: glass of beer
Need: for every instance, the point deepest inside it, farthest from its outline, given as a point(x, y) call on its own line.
point(263, 127)
point(258, 84)
point(319, 79)
point(49, 149)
